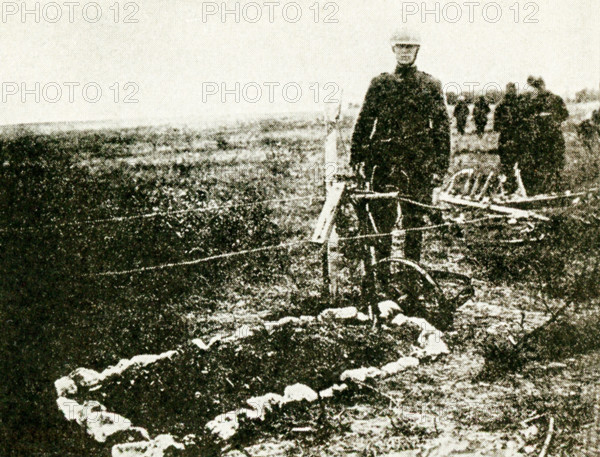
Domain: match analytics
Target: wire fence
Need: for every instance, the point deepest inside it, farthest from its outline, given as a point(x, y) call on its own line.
point(231, 205)
point(292, 244)
point(154, 214)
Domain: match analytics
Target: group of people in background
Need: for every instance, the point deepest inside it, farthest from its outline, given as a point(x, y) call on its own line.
point(481, 109)
point(530, 135)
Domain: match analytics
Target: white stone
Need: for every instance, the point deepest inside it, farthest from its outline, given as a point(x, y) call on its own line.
point(189, 439)
point(340, 387)
point(331, 391)
point(299, 392)
point(252, 414)
point(224, 426)
point(70, 408)
point(85, 377)
point(360, 374)
point(350, 312)
point(425, 326)
point(64, 386)
point(93, 416)
point(163, 442)
point(265, 403)
point(326, 393)
point(400, 365)
point(214, 340)
point(154, 448)
point(201, 345)
point(139, 361)
point(270, 326)
point(89, 407)
point(138, 449)
point(103, 424)
point(287, 320)
point(434, 346)
point(430, 338)
point(362, 317)
point(388, 308)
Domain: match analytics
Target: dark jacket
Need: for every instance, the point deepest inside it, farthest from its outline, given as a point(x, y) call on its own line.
point(540, 141)
point(505, 113)
point(481, 109)
point(505, 123)
point(461, 110)
point(403, 125)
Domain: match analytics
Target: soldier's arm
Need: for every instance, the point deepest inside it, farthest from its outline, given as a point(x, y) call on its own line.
point(364, 124)
point(562, 111)
point(440, 131)
point(498, 117)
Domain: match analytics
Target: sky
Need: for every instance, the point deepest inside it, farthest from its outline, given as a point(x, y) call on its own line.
point(165, 59)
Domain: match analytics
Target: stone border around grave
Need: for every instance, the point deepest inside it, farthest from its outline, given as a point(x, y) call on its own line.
point(133, 441)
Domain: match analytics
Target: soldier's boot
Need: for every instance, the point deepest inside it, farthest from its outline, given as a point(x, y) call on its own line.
point(384, 251)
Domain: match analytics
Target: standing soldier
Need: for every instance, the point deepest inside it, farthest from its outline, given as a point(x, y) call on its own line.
point(401, 142)
point(596, 119)
point(480, 114)
point(505, 124)
point(461, 113)
point(541, 114)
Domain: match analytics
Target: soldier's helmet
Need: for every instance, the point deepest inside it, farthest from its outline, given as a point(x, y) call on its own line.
point(406, 35)
point(536, 83)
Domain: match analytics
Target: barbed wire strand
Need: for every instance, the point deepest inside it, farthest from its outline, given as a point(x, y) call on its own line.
point(164, 213)
point(286, 246)
point(425, 228)
point(405, 199)
point(204, 259)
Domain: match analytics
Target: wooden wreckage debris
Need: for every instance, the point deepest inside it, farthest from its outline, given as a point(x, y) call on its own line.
point(514, 212)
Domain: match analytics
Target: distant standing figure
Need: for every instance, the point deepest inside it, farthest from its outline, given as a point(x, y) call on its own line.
point(588, 134)
point(480, 114)
point(505, 123)
point(461, 113)
point(589, 131)
point(541, 114)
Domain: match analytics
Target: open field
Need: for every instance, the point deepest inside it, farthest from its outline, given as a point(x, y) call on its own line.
point(84, 210)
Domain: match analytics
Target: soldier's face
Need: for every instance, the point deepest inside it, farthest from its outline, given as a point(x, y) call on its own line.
point(406, 54)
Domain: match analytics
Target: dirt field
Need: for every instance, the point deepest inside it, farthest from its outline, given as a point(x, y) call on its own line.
point(86, 225)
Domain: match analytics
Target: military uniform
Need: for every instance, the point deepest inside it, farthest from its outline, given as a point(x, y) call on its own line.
point(506, 125)
point(461, 113)
point(596, 119)
point(402, 135)
point(541, 143)
point(480, 114)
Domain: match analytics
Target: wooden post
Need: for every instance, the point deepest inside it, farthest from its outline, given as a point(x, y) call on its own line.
point(520, 184)
point(331, 255)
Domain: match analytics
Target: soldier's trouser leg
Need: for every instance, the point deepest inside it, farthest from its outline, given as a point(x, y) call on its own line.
point(412, 217)
point(385, 213)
